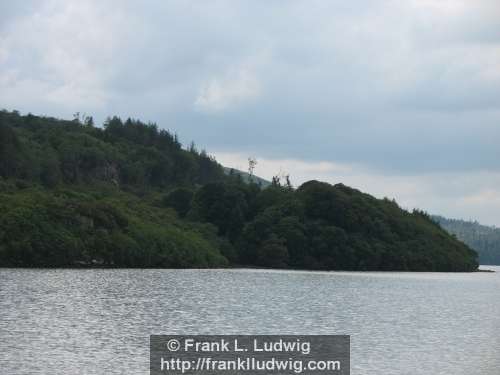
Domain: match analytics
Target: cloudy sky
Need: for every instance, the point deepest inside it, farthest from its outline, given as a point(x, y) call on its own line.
point(397, 98)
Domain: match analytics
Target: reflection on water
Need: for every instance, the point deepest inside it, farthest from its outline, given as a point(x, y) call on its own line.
point(99, 321)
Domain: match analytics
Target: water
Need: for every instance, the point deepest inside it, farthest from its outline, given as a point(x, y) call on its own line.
point(99, 321)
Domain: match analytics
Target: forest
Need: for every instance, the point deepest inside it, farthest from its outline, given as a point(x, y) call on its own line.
point(482, 238)
point(128, 194)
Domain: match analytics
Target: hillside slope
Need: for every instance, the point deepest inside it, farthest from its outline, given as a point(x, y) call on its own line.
point(483, 239)
point(246, 177)
point(128, 195)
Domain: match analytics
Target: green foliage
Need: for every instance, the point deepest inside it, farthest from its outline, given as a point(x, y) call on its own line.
point(335, 227)
point(72, 194)
point(484, 239)
point(10, 148)
point(130, 153)
point(273, 253)
point(222, 204)
point(180, 200)
point(41, 228)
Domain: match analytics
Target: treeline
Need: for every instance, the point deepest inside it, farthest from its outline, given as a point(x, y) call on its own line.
point(62, 227)
point(129, 195)
point(320, 226)
point(129, 153)
point(484, 239)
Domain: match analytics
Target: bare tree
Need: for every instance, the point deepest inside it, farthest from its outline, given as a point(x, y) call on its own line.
point(252, 163)
point(282, 179)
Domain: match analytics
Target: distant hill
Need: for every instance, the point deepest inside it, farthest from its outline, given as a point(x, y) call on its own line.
point(246, 177)
point(484, 239)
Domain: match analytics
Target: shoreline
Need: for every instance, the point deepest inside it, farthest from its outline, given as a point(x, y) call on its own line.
point(244, 268)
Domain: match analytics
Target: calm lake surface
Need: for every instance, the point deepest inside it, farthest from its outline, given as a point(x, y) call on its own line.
point(99, 321)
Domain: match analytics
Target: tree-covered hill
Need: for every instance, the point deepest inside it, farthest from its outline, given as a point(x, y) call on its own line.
point(127, 194)
point(246, 177)
point(484, 239)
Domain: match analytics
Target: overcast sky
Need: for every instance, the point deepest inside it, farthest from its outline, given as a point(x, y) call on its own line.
point(396, 98)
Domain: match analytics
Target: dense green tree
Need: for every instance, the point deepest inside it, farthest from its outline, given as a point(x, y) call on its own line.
point(10, 150)
point(273, 253)
point(223, 205)
point(73, 194)
point(180, 200)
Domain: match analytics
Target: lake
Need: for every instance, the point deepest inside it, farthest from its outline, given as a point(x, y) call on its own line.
point(99, 321)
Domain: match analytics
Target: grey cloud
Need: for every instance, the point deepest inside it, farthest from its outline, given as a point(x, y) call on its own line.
point(400, 87)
